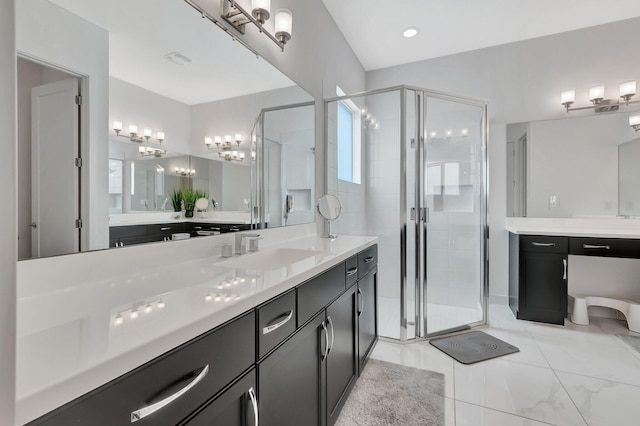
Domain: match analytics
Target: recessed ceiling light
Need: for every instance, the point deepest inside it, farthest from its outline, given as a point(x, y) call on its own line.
point(178, 58)
point(411, 32)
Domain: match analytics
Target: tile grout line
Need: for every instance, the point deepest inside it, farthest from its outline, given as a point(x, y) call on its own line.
point(508, 413)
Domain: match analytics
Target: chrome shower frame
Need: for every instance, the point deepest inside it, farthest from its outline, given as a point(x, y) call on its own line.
point(421, 131)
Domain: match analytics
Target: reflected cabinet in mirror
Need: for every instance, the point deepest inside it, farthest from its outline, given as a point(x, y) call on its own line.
point(570, 167)
point(122, 121)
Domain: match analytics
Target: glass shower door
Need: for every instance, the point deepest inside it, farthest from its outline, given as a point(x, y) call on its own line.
point(453, 188)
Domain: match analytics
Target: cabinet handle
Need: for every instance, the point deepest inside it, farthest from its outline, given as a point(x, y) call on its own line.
point(352, 271)
point(534, 243)
point(271, 327)
point(234, 229)
point(591, 246)
point(165, 228)
point(326, 341)
point(564, 269)
point(368, 259)
point(333, 335)
point(197, 227)
point(150, 409)
point(360, 302)
point(254, 403)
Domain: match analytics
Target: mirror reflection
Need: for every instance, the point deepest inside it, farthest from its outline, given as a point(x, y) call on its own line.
point(102, 88)
point(568, 167)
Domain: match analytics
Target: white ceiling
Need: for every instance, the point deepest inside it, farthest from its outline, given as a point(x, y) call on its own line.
point(374, 28)
point(141, 32)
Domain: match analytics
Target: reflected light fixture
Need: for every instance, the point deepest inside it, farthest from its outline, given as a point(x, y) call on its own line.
point(147, 151)
point(181, 171)
point(411, 32)
point(634, 121)
point(597, 97)
point(147, 134)
point(226, 149)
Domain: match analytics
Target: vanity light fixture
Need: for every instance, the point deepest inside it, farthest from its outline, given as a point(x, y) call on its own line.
point(181, 171)
point(133, 133)
point(260, 13)
point(596, 96)
point(634, 122)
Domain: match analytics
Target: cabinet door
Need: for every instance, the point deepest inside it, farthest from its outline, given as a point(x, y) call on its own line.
point(543, 287)
point(290, 388)
point(367, 316)
point(237, 406)
point(342, 358)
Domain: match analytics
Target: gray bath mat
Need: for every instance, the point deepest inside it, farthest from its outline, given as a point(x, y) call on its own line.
point(631, 341)
point(394, 395)
point(473, 347)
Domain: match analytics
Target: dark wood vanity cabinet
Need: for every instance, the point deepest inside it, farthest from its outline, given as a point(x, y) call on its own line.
point(290, 361)
point(367, 315)
point(538, 267)
point(236, 406)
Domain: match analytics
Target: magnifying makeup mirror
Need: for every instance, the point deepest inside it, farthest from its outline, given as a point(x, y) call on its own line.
point(202, 204)
point(329, 208)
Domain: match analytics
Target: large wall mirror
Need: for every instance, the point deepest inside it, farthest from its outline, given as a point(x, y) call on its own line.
point(573, 167)
point(110, 68)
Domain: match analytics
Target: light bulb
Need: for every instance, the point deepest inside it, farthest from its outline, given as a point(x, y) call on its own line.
point(568, 96)
point(160, 304)
point(208, 141)
point(133, 129)
point(133, 314)
point(217, 140)
point(627, 89)
point(117, 126)
point(596, 94)
point(148, 308)
point(160, 136)
point(227, 139)
point(284, 25)
point(147, 133)
point(117, 320)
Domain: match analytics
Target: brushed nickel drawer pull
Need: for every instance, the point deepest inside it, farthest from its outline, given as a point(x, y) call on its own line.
point(592, 246)
point(543, 244)
point(150, 409)
point(333, 334)
point(269, 328)
point(368, 259)
point(352, 271)
point(360, 302)
point(165, 228)
point(254, 403)
point(326, 342)
point(564, 269)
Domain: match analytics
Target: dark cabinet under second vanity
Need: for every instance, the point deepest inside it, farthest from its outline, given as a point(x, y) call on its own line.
point(290, 361)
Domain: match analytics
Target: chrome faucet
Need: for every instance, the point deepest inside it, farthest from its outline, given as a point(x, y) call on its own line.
point(241, 248)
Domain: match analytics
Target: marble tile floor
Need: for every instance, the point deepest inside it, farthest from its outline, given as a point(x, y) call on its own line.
point(571, 375)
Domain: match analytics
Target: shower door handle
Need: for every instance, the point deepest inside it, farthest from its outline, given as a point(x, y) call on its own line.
point(423, 212)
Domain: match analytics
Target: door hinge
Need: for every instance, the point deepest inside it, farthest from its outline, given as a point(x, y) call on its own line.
point(78, 162)
point(78, 99)
point(423, 214)
point(78, 223)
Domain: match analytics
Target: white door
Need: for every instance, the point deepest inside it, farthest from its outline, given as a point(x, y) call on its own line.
point(55, 177)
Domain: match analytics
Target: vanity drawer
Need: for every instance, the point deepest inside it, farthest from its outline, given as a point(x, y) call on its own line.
point(352, 270)
point(316, 293)
point(544, 244)
point(127, 231)
point(165, 229)
point(224, 353)
point(605, 247)
point(367, 260)
point(276, 321)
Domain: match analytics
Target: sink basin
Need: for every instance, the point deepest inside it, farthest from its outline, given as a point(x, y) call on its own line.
point(269, 259)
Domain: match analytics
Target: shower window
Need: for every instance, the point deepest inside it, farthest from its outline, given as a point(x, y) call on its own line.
point(349, 147)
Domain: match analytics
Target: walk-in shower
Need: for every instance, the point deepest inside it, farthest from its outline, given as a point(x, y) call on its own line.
point(409, 166)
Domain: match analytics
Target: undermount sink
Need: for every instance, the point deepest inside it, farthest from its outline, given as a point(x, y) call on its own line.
point(274, 258)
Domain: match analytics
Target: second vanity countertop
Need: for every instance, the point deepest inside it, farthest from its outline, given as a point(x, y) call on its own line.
point(115, 310)
point(575, 227)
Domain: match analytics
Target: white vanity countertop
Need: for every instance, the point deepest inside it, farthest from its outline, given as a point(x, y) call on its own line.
point(575, 227)
point(69, 341)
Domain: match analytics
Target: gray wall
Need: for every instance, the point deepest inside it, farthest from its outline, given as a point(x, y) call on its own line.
point(8, 222)
point(522, 82)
